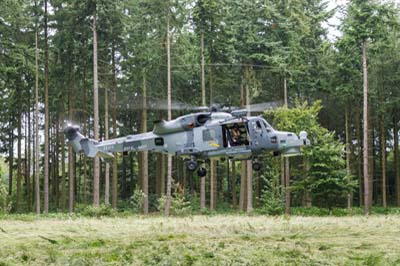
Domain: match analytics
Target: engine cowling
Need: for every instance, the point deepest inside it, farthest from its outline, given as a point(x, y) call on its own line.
point(183, 123)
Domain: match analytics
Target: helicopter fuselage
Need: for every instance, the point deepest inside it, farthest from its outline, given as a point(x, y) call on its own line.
point(200, 136)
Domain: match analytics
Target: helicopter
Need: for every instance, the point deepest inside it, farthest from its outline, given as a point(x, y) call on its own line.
point(199, 137)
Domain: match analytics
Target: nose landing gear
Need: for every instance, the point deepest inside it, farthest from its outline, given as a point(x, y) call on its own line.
point(191, 164)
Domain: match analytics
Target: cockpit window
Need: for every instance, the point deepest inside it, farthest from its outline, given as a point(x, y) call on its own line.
point(268, 126)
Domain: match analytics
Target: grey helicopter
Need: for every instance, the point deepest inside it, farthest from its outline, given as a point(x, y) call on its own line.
point(199, 137)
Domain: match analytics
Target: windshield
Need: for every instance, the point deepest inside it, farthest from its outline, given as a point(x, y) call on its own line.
point(267, 126)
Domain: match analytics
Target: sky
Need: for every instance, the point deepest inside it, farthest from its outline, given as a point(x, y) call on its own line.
point(333, 32)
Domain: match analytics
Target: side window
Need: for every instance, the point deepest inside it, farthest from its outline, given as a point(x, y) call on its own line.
point(159, 141)
point(257, 126)
point(209, 134)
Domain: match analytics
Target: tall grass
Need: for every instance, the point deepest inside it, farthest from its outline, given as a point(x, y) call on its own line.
point(201, 240)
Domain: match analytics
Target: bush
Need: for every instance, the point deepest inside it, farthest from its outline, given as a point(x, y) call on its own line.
point(92, 211)
point(5, 201)
point(179, 205)
point(137, 200)
point(272, 202)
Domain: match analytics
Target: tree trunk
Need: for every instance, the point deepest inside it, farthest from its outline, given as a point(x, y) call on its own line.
point(11, 162)
point(249, 173)
point(348, 154)
point(365, 129)
point(287, 185)
point(158, 174)
point(71, 176)
point(249, 186)
point(283, 180)
point(203, 82)
point(233, 186)
point(114, 125)
point(285, 161)
point(46, 119)
point(359, 157)
point(19, 158)
point(213, 185)
point(96, 166)
point(396, 157)
point(123, 179)
point(63, 177)
point(162, 173)
point(371, 152)
point(285, 93)
point(86, 129)
point(169, 160)
point(203, 103)
point(37, 150)
point(243, 185)
point(106, 136)
point(383, 161)
point(383, 149)
point(203, 192)
point(145, 155)
point(132, 171)
point(71, 159)
point(28, 156)
point(243, 165)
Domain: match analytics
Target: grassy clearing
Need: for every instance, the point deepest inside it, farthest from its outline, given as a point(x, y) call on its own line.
point(201, 240)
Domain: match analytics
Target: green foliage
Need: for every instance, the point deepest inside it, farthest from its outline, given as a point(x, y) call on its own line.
point(5, 202)
point(322, 173)
point(179, 205)
point(272, 199)
point(137, 200)
point(92, 211)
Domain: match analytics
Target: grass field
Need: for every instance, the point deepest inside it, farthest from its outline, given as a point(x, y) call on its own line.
point(201, 240)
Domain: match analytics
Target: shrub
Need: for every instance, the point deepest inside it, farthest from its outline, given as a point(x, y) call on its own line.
point(179, 205)
point(92, 211)
point(272, 202)
point(5, 201)
point(137, 200)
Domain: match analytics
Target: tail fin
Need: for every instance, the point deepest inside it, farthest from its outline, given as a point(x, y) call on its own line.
point(81, 143)
point(74, 137)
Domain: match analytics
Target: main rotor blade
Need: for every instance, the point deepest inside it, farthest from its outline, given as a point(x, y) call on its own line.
point(261, 107)
point(136, 103)
point(257, 107)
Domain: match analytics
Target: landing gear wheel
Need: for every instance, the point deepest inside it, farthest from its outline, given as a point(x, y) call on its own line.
point(256, 166)
point(201, 172)
point(191, 165)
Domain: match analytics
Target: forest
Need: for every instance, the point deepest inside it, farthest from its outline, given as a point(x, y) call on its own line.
point(111, 67)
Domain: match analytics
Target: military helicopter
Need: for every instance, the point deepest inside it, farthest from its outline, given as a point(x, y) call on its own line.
point(198, 137)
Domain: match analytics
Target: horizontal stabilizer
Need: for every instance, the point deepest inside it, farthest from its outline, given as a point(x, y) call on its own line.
point(80, 143)
point(90, 150)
